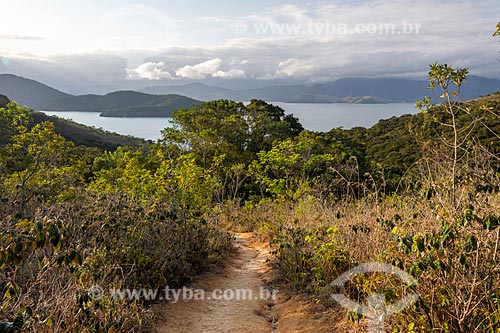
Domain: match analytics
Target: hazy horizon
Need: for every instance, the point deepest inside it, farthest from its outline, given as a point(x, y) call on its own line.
point(94, 46)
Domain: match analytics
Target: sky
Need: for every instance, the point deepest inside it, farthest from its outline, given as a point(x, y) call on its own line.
point(94, 45)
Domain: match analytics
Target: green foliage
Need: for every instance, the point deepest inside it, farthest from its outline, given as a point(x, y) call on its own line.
point(444, 226)
point(32, 162)
point(295, 166)
point(13, 120)
point(87, 136)
point(144, 177)
point(230, 129)
point(269, 123)
point(309, 257)
point(113, 209)
point(456, 267)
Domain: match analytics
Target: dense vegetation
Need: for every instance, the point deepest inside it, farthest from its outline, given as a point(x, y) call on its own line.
point(418, 192)
point(83, 135)
point(74, 217)
point(394, 145)
point(4, 100)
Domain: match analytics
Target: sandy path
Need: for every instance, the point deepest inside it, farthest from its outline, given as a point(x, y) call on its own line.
point(245, 270)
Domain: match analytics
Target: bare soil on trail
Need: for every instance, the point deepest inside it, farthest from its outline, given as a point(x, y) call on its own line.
point(249, 267)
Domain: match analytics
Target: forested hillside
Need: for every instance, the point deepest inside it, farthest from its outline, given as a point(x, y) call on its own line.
point(4, 100)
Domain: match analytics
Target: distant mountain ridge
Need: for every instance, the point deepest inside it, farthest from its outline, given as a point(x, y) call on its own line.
point(162, 101)
point(348, 90)
point(39, 96)
point(28, 92)
point(195, 90)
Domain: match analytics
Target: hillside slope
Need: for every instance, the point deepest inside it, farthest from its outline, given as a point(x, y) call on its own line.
point(116, 104)
point(160, 106)
point(83, 135)
point(29, 92)
point(395, 144)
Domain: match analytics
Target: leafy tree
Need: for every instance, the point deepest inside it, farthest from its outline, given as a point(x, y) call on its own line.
point(268, 123)
point(307, 162)
point(31, 160)
point(229, 129)
point(31, 157)
point(13, 119)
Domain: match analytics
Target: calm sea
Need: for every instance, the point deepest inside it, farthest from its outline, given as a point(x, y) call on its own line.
point(316, 117)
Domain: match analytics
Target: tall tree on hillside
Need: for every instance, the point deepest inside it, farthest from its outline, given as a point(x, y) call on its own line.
point(230, 130)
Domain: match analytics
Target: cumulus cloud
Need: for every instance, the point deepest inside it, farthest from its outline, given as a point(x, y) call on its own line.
point(209, 68)
point(231, 74)
point(293, 67)
point(149, 71)
point(157, 70)
point(201, 70)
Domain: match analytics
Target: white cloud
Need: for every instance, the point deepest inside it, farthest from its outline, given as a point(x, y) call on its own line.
point(231, 74)
point(457, 32)
point(150, 71)
point(209, 68)
point(201, 70)
point(293, 67)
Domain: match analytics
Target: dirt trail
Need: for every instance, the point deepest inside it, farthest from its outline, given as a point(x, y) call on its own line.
point(245, 269)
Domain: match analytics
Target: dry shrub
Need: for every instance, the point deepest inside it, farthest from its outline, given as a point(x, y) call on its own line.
point(448, 244)
point(108, 242)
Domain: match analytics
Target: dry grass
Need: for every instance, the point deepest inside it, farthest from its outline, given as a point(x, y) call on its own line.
point(310, 235)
